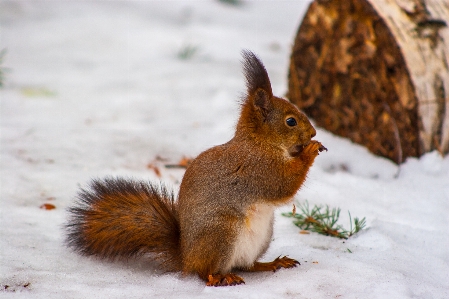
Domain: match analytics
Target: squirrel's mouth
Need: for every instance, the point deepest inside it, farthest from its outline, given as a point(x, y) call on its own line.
point(297, 149)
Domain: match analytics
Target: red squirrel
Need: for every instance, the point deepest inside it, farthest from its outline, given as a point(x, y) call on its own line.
point(222, 220)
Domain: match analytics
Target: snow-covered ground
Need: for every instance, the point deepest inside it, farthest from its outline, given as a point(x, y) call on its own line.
point(107, 88)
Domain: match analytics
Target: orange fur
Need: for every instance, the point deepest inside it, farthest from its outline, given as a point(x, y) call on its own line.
point(223, 219)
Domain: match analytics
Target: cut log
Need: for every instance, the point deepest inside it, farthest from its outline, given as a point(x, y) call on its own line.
point(377, 72)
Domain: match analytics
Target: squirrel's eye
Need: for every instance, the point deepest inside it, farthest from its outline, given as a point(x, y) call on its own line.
point(291, 122)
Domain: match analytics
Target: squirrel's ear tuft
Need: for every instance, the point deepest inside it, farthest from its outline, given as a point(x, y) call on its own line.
point(255, 73)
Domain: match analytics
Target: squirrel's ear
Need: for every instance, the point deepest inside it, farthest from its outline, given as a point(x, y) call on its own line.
point(256, 75)
point(257, 83)
point(262, 102)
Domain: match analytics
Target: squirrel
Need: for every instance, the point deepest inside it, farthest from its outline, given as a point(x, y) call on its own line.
point(222, 219)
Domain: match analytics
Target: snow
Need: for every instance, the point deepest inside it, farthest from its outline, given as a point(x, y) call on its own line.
point(106, 88)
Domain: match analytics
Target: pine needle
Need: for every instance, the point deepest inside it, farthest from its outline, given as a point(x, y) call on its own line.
point(324, 221)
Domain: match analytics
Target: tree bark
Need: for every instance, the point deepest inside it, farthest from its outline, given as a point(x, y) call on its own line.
point(377, 72)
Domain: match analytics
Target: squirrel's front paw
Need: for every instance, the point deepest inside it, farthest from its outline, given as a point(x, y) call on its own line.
point(313, 148)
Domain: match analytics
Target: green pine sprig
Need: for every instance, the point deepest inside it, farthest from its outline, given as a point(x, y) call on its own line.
point(324, 221)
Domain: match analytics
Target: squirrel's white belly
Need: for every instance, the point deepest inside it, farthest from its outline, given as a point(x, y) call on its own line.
point(254, 237)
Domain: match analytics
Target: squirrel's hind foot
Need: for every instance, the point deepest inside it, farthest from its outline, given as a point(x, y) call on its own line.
point(280, 262)
point(219, 280)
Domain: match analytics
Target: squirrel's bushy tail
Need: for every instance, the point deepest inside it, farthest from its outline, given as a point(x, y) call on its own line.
point(116, 218)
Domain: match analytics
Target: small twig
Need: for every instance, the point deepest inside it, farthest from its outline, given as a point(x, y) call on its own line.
point(183, 163)
point(174, 166)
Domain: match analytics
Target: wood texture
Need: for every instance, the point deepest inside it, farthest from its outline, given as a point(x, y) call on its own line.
point(377, 72)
